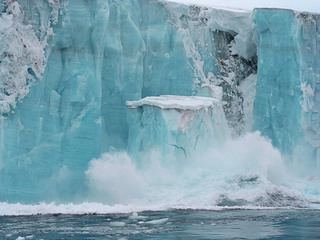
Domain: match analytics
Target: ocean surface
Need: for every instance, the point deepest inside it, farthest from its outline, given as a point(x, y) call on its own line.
point(175, 224)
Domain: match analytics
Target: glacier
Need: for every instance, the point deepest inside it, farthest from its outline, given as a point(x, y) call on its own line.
point(84, 79)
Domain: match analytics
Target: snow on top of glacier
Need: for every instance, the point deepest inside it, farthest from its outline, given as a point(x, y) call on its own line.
point(175, 102)
point(248, 5)
point(205, 3)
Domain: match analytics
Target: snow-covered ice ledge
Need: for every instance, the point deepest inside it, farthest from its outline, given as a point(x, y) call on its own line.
point(175, 102)
point(177, 127)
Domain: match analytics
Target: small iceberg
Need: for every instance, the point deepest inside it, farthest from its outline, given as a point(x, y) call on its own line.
point(158, 221)
point(117, 224)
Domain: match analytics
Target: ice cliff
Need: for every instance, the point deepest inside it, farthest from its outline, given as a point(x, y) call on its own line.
point(67, 69)
point(287, 95)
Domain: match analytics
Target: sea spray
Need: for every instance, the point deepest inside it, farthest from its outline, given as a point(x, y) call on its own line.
point(242, 172)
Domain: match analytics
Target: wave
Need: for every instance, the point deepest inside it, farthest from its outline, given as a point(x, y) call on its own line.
point(7, 209)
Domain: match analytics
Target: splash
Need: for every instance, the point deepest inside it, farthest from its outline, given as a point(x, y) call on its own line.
point(115, 177)
point(244, 172)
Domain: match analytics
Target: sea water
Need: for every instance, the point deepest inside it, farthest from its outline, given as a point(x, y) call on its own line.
point(175, 224)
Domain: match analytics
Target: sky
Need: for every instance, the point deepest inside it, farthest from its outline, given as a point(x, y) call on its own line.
point(300, 5)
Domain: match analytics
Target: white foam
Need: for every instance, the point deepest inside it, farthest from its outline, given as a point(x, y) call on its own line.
point(97, 208)
point(233, 176)
point(136, 216)
point(115, 174)
point(18, 209)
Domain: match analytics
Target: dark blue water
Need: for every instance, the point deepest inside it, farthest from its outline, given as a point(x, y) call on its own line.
point(177, 224)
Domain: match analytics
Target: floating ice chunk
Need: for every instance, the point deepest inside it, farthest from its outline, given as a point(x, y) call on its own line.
point(158, 221)
point(21, 238)
point(117, 224)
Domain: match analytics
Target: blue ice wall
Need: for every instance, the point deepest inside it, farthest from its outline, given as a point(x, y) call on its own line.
point(277, 108)
point(176, 129)
point(287, 97)
point(57, 129)
point(144, 56)
point(309, 50)
point(106, 52)
point(102, 54)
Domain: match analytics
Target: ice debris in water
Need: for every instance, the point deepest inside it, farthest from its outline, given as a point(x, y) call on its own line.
point(158, 221)
point(117, 224)
point(136, 216)
point(21, 238)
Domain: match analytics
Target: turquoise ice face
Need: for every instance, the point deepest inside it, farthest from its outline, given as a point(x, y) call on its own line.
point(102, 54)
point(277, 108)
point(67, 105)
point(176, 128)
point(287, 99)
